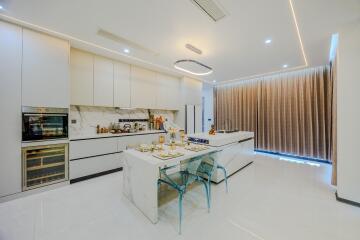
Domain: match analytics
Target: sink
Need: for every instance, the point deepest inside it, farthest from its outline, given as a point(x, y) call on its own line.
point(227, 131)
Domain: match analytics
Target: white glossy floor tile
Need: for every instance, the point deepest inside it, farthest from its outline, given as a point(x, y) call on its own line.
point(270, 200)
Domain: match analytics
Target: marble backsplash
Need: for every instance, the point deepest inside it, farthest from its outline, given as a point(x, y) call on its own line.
point(86, 118)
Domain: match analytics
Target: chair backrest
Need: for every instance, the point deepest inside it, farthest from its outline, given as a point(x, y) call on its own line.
point(200, 165)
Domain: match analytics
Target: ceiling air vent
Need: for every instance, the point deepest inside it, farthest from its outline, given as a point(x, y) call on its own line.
point(193, 48)
point(211, 8)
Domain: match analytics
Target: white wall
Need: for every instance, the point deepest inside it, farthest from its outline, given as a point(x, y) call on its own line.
point(208, 97)
point(348, 129)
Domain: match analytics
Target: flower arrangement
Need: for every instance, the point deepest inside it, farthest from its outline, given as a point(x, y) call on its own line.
point(172, 132)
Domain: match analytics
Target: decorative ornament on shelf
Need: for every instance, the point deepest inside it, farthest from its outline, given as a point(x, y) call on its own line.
point(212, 130)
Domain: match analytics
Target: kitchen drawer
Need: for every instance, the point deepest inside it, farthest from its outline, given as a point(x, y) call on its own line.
point(88, 166)
point(132, 141)
point(92, 147)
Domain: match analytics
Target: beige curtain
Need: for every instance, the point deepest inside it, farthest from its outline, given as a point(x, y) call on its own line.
point(236, 107)
point(289, 112)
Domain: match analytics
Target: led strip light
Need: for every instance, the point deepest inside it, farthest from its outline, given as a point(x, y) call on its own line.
point(209, 69)
point(279, 71)
point(69, 38)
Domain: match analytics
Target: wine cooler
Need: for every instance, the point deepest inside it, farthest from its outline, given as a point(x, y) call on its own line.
point(44, 165)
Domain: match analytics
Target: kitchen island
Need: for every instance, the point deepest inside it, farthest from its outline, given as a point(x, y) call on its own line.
point(235, 150)
point(141, 174)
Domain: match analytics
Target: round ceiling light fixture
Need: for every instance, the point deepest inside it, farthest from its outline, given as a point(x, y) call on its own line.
point(193, 67)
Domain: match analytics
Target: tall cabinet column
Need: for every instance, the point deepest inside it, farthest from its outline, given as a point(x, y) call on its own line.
point(10, 108)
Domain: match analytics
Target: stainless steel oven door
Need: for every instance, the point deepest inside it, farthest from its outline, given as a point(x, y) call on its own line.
point(44, 124)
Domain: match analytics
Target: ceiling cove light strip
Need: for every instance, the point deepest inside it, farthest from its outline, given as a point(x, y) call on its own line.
point(298, 31)
point(209, 69)
point(71, 38)
point(252, 77)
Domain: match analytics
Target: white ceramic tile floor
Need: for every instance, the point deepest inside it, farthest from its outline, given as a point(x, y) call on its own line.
point(270, 200)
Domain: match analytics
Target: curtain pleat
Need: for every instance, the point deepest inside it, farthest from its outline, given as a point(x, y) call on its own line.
point(289, 112)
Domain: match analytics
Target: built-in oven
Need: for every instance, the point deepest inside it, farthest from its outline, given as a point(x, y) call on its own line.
point(44, 123)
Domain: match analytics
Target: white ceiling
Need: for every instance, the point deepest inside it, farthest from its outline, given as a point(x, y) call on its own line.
point(234, 46)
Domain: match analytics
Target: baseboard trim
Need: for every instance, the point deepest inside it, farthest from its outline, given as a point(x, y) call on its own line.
point(75, 180)
point(343, 200)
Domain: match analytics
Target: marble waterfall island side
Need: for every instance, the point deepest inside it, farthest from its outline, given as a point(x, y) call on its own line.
point(235, 150)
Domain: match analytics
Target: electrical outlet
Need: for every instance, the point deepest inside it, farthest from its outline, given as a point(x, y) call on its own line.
point(73, 121)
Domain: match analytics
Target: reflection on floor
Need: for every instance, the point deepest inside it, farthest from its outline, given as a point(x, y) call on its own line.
point(270, 200)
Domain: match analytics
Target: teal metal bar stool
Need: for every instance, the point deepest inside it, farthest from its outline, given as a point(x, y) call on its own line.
point(206, 170)
point(180, 180)
point(222, 168)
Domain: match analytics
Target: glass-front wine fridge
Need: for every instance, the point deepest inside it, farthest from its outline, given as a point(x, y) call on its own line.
point(44, 165)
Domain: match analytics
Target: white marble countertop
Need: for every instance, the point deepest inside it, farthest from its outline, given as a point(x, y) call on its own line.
point(220, 139)
point(106, 135)
point(149, 158)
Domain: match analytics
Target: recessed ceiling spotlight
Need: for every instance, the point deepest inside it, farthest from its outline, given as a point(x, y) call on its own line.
point(214, 81)
point(268, 41)
point(126, 50)
point(285, 66)
point(1, 7)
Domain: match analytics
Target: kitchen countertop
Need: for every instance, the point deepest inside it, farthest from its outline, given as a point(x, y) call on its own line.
point(220, 139)
point(108, 135)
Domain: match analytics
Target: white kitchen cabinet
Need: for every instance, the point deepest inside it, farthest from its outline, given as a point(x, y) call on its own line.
point(92, 147)
point(143, 88)
point(191, 91)
point(135, 140)
point(88, 166)
point(122, 85)
point(45, 70)
point(10, 108)
point(103, 82)
point(168, 92)
point(82, 78)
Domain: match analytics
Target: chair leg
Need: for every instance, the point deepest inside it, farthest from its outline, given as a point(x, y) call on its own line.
point(180, 210)
point(207, 194)
point(225, 177)
point(209, 186)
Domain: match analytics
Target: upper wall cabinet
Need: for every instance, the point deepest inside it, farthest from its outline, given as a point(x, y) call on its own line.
point(121, 85)
point(143, 88)
point(45, 70)
point(82, 78)
point(168, 92)
point(103, 82)
point(191, 91)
